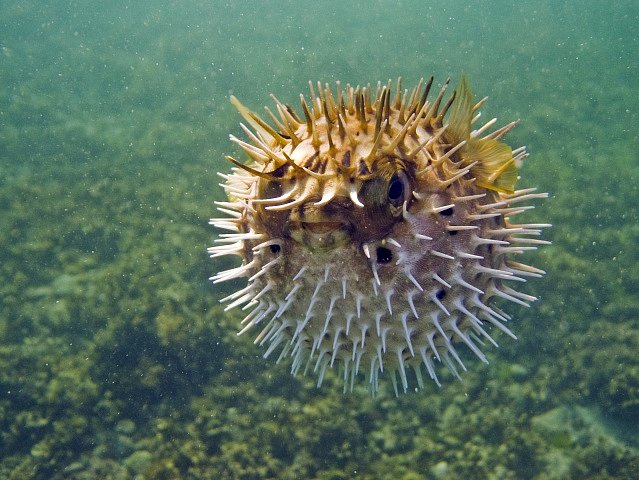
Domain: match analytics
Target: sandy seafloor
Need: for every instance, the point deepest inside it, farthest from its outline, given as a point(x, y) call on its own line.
point(116, 360)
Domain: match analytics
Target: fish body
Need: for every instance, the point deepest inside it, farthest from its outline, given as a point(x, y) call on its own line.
point(375, 231)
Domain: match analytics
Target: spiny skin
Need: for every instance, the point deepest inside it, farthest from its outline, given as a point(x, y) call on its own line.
point(375, 232)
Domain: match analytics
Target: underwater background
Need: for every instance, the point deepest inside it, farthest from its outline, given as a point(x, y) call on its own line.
point(116, 359)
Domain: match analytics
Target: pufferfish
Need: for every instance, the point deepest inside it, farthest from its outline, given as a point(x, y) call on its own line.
point(375, 232)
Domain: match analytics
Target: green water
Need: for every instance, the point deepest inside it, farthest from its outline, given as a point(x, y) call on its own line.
point(117, 362)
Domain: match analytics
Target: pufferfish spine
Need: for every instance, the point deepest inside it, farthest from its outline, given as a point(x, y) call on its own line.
point(375, 231)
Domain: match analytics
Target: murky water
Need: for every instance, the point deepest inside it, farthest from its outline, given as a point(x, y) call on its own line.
point(117, 360)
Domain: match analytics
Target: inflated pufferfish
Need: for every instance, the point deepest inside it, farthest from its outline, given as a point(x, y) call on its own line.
point(375, 231)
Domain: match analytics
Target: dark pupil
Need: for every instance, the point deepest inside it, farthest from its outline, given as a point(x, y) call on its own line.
point(395, 189)
point(384, 255)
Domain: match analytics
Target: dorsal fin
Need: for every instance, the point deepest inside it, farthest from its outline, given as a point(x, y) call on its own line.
point(461, 113)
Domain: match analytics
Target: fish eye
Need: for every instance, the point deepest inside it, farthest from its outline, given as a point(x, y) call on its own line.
point(398, 188)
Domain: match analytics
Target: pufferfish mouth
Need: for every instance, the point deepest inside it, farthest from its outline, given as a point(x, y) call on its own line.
point(309, 219)
point(322, 228)
point(320, 234)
